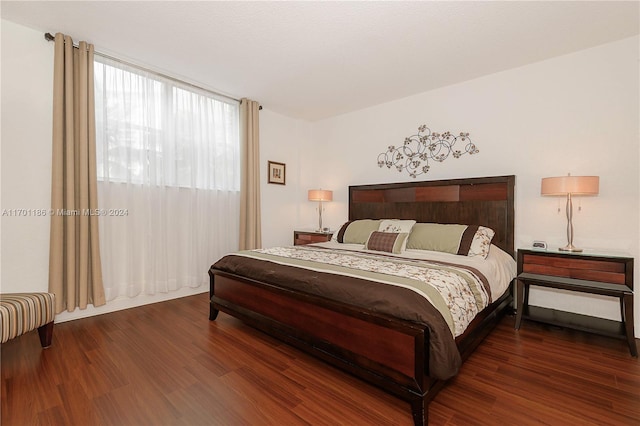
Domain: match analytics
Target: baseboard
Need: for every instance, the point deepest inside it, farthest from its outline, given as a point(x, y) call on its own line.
point(122, 303)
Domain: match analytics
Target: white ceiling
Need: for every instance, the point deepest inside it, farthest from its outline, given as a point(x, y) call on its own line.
point(313, 60)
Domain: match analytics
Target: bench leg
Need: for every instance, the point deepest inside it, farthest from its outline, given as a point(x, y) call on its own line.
point(46, 334)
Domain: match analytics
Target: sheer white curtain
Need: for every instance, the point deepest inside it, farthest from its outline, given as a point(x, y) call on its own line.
point(168, 180)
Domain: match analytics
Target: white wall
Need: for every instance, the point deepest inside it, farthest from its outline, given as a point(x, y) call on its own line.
point(576, 113)
point(283, 140)
point(27, 97)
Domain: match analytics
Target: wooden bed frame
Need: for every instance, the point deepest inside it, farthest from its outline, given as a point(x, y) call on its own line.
point(385, 351)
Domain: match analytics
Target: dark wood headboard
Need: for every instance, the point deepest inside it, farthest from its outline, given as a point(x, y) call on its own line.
point(486, 201)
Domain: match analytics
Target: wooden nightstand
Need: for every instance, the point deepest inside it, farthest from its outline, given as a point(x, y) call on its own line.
point(309, 237)
point(608, 275)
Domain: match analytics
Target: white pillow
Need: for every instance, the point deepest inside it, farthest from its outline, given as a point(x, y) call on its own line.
point(396, 225)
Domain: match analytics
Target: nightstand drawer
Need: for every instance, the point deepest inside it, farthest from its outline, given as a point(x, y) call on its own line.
point(308, 237)
point(593, 270)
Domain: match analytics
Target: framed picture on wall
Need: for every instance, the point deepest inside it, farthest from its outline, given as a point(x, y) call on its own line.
point(277, 173)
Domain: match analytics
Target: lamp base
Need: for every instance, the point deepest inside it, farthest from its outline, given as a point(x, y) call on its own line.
point(571, 248)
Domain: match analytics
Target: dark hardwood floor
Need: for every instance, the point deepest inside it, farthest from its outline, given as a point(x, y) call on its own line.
point(166, 364)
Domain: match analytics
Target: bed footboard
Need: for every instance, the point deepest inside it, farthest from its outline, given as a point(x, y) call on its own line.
point(389, 353)
point(385, 351)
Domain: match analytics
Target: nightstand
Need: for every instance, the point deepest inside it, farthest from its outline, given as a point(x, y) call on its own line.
point(608, 275)
point(309, 237)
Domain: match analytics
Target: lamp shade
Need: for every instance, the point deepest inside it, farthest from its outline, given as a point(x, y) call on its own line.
point(574, 185)
point(320, 195)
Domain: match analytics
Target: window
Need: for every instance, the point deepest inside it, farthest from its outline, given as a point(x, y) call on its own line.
point(168, 165)
point(154, 130)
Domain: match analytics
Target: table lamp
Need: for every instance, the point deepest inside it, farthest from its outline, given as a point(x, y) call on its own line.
point(569, 186)
point(320, 195)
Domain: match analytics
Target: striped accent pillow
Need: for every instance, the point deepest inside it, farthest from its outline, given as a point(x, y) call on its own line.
point(391, 242)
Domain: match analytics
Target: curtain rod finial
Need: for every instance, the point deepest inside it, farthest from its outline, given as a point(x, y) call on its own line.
point(49, 37)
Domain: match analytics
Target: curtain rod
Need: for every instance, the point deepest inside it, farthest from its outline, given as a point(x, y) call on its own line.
point(49, 37)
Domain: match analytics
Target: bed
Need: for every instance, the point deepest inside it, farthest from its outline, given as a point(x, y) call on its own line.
point(313, 298)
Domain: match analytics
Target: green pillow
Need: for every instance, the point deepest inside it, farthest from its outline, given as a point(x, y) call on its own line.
point(357, 231)
point(465, 240)
point(436, 237)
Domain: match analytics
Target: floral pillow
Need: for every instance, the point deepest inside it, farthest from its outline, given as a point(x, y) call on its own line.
point(481, 242)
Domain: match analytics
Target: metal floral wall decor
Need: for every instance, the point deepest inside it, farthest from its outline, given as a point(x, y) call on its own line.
point(416, 152)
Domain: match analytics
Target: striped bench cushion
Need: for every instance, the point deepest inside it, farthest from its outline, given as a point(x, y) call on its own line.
point(23, 312)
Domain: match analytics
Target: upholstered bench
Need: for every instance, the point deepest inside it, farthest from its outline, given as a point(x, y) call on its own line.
point(24, 312)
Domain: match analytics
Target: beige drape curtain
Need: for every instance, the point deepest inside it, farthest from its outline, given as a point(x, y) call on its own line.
point(75, 272)
point(250, 228)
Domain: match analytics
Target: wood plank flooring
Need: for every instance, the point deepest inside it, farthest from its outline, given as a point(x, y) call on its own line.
point(167, 364)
